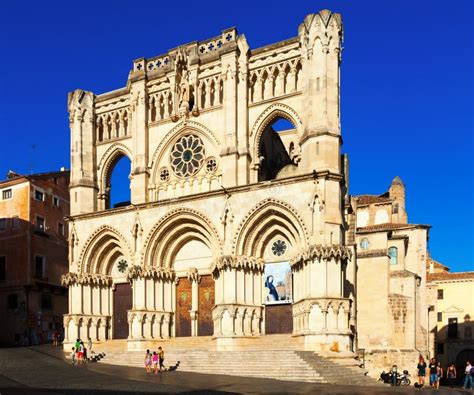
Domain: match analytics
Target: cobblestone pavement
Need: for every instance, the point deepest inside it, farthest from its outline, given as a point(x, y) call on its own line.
point(43, 370)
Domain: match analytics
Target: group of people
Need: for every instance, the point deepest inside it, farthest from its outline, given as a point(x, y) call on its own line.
point(436, 373)
point(79, 352)
point(155, 361)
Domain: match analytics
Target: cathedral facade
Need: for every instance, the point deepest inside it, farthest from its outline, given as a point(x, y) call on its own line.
point(237, 226)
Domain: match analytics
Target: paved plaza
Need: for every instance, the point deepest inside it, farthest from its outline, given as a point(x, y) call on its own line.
point(43, 370)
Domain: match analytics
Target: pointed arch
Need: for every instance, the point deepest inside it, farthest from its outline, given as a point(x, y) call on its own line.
point(115, 152)
point(273, 111)
point(173, 231)
point(102, 249)
point(266, 220)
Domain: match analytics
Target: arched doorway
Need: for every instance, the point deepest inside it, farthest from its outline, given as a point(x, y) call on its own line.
point(122, 296)
point(278, 283)
point(461, 359)
point(195, 291)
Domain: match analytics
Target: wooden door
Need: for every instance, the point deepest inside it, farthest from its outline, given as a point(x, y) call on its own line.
point(122, 303)
point(205, 306)
point(278, 319)
point(183, 306)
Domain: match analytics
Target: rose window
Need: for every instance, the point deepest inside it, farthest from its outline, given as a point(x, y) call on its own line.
point(122, 266)
point(164, 174)
point(211, 165)
point(279, 247)
point(187, 155)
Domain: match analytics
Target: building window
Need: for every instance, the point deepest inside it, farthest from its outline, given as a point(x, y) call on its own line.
point(468, 332)
point(12, 301)
point(3, 268)
point(15, 222)
point(395, 208)
point(3, 223)
point(55, 201)
point(61, 228)
point(39, 195)
point(7, 194)
point(439, 348)
point(46, 301)
point(393, 254)
point(453, 328)
point(40, 224)
point(364, 244)
point(39, 266)
point(440, 294)
point(440, 317)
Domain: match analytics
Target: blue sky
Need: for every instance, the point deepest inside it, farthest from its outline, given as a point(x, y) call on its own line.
point(407, 87)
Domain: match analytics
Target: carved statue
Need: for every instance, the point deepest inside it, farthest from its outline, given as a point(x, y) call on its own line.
point(184, 91)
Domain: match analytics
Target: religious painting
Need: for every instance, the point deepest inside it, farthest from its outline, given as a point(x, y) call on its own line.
point(278, 283)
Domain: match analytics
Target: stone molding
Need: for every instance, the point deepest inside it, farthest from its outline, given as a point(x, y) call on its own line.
point(321, 253)
point(304, 306)
point(241, 262)
point(69, 279)
point(156, 273)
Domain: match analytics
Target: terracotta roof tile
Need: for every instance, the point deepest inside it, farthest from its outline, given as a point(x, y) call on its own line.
point(388, 226)
point(450, 276)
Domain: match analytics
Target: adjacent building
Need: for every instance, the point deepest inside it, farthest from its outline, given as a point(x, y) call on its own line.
point(392, 318)
point(451, 300)
point(33, 255)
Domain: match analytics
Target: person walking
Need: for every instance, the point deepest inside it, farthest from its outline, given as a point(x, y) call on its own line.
point(469, 373)
point(161, 358)
point(439, 374)
point(154, 359)
point(421, 367)
point(433, 369)
point(451, 375)
point(148, 361)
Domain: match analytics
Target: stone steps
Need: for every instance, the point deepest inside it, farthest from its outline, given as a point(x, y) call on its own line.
point(276, 364)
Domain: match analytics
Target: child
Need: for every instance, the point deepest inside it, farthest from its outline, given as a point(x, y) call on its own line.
point(73, 356)
point(161, 357)
point(148, 361)
point(155, 362)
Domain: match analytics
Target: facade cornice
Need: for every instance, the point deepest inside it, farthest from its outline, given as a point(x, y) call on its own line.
point(372, 254)
point(327, 175)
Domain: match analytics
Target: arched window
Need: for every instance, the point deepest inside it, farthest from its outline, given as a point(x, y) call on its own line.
point(118, 183)
point(274, 148)
point(393, 254)
point(364, 243)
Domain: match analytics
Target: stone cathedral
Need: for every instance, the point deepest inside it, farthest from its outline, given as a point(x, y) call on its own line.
point(237, 227)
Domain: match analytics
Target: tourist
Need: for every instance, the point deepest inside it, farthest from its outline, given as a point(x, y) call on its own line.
point(89, 345)
point(433, 375)
point(421, 367)
point(469, 373)
point(55, 338)
point(73, 356)
point(148, 361)
point(451, 375)
point(439, 374)
point(84, 353)
point(161, 357)
point(155, 362)
point(80, 354)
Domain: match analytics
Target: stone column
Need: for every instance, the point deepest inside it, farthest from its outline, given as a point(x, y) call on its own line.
point(83, 186)
point(139, 132)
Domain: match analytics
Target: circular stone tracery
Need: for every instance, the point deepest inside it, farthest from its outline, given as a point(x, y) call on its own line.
point(187, 155)
point(279, 247)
